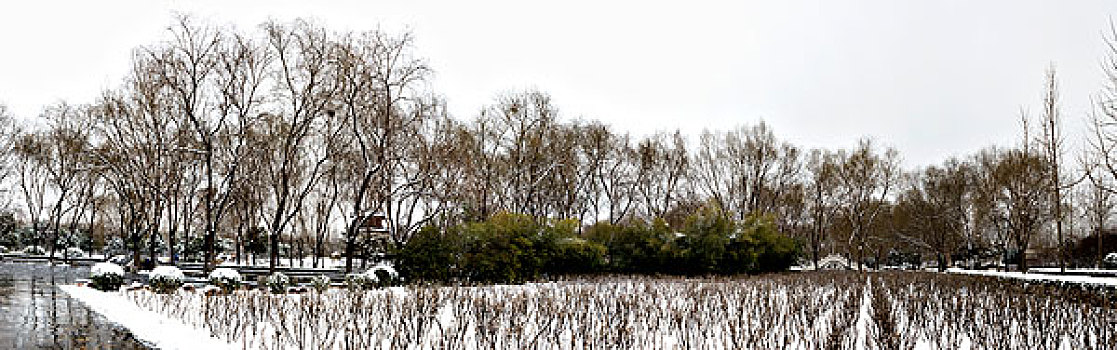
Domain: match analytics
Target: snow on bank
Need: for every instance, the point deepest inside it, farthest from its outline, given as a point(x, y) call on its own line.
point(1039, 277)
point(149, 326)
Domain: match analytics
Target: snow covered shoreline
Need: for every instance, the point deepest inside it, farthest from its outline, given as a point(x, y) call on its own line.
point(148, 326)
point(1041, 277)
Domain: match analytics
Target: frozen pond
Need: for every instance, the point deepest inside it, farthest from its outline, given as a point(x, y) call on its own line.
point(35, 314)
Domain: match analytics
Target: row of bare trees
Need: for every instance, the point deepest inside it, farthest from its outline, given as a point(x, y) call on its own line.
point(296, 132)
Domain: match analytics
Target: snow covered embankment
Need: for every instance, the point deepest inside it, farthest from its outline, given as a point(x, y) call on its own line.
point(148, 326)
point(1042, 277)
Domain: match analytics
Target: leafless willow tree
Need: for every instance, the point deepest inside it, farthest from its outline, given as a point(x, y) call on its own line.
point(665, 162)
point(302, 126)
point(745, 170)
point(9, 133)
point(379, 96)
point(822, 200)
point(1098, 206)
point(1015, 197)
point(1101, 161)
point(58, 154)
point(613, 172)
point(935, 209)
point(867, 178)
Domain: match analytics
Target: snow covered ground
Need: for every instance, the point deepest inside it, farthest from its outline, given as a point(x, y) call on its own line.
point(1042, 277)
point(630, 313)
point(810, 310)
point(1074, 271)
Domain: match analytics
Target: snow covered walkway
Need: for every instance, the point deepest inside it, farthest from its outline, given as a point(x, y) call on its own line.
point(149, 326)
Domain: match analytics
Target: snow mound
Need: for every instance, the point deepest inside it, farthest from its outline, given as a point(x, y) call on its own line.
point(167, 273)
point(105, 268)
point(74, 252)
point(386, 267)
point(34, 250)
point(224, 274)
point(277, 282)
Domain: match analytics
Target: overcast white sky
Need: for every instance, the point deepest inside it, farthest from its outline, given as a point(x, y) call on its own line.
point(932, 78)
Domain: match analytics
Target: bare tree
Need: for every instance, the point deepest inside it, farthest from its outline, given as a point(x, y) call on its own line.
point(303, 126)
point(1098, 204)
point(866, 179)
point(1015, 196)
point(1101, 163)
point(613, 173)
point(821, 197)
point(666, 163)
point(214, 85)
point(1051, 141)
point(9, 133)
point(378, 97)
point(745, 170)
point(33, 179)
point(935, 208)
point(61, 151)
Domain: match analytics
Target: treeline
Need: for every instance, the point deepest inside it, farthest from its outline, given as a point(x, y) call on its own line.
point(282, 139)
point(516, 248)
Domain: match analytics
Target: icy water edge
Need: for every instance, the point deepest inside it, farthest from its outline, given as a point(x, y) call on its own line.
point(35, 314)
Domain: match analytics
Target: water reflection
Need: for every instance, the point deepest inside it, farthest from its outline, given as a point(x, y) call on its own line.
point(35, 314)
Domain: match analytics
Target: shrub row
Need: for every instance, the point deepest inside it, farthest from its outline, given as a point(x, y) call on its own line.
point(517, 248)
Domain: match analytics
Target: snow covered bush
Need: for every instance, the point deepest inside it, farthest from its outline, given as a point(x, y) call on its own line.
point(166, 279)
point(225, 278)
point(320, 283)
point(383, 274)
point(277, 283)
point(360, 281)
point(106, 276)
point(34, 250)
point(1110, 260)
point(74, 252)
point(380, 275)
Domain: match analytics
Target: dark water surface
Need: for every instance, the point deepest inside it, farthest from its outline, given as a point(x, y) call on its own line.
point(35, 314)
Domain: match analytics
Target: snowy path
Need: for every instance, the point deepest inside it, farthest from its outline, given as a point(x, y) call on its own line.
point(149, 326)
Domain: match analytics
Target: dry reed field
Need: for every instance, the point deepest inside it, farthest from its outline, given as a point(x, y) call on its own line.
point(818, 310)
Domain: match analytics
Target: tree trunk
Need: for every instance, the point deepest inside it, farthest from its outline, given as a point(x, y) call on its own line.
point(273, 258)
point(152, 248)
point(1098, 261)
point(210, 238)
point(1022, 258)
point(135, 248)
point(350, 240)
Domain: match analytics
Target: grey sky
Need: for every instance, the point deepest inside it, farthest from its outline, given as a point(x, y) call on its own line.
point(932, 78)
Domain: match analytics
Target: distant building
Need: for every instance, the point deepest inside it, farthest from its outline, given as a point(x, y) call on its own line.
point(373, 225)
